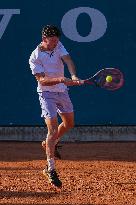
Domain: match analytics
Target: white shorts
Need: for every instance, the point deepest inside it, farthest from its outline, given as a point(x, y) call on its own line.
point(54, 102)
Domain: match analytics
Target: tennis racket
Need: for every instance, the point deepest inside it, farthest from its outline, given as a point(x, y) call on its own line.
point(107, 78)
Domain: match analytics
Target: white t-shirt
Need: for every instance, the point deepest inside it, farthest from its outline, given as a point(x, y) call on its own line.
point(51, 64)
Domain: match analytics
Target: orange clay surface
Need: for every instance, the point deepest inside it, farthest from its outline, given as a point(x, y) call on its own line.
point(92, 173)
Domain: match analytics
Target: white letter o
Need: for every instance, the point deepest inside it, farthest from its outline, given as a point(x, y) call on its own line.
point(69, 28)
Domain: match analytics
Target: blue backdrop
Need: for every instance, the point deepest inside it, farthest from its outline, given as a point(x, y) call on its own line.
point(96, 33)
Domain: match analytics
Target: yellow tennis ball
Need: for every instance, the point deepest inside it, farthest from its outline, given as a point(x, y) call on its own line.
point(109, 78)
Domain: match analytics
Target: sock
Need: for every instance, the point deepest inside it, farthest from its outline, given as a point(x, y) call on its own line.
point(51, 164)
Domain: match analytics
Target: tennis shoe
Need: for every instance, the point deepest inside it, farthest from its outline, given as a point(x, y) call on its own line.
point(53, 177)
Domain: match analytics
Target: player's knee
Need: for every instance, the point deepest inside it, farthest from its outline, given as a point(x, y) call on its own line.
point(52, 134)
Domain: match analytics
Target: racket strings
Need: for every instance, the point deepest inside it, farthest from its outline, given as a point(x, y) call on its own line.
point(117, 79)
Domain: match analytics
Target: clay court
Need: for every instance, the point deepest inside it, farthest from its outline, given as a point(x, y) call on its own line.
point(92, 173)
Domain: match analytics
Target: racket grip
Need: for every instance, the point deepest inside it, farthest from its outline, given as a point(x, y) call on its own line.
point(88, 82)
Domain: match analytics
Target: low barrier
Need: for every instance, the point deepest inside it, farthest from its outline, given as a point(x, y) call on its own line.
point(79, 133)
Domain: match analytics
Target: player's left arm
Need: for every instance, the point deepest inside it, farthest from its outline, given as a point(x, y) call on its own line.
point(71, 66)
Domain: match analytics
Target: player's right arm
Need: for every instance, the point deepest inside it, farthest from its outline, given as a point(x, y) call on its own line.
point(45, 81)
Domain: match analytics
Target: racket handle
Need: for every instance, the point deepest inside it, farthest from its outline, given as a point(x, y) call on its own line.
point(88, 82)
point(74, 83)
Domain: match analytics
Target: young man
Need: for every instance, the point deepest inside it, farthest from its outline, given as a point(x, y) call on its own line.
point(46, 63)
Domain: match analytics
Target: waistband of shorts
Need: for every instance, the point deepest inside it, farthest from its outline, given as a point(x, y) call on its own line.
point(46, 91)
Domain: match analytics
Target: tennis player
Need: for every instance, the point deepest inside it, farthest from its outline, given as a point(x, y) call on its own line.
point(47, 65)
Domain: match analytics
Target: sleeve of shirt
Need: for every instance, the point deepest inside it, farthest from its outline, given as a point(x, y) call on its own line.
point(62, 50)
point(35, 64)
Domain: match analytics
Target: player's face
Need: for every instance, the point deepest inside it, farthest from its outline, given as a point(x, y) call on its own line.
point(50, 42)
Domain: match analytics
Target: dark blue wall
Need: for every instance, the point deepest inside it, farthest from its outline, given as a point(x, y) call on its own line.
point(19, 103)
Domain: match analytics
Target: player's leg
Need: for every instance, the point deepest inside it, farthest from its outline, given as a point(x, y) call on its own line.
point(49, 112)
point(50, 172)
point(65, 110)
point(52, 135)
point(67, 124)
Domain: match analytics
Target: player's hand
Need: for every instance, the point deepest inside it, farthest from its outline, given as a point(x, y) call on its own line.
point(71, 82)
point(76, 80)
point(64, 80)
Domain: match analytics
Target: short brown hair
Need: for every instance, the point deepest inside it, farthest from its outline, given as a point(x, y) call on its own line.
point(50, 31)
